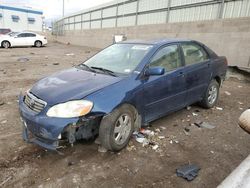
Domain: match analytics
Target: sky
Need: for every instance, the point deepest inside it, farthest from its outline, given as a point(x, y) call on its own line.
point(52, 9)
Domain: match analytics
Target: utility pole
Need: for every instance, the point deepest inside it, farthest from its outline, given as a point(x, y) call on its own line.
point(63, 8)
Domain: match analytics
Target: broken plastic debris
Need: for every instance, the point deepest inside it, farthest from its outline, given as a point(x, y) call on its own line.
point(23, 59)
point(158, 130)
point(204, 125)
point(194, 114)
point(130, 148)
point(227, 93)
point(188, 172)
point(161, 137)
point(139, 137)
point(219, 108)
point(147, 132)
point(207, 125)
point(140, 140)
point(4, 121)
point(186, 133)
point(155, 147)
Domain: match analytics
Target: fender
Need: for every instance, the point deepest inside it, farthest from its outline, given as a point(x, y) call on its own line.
point(105, 101)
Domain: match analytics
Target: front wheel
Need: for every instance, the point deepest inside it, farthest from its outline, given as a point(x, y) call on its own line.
point(117, 128)
point(211, 95)
point(5, 44)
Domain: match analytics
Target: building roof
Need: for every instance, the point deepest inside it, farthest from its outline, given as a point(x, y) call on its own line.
point(18, 9)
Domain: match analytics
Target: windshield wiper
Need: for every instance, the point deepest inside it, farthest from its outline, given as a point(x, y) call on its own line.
point(86, 67)
point(105, 71)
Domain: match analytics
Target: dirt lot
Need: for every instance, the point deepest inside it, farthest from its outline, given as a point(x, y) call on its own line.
point(217, 151)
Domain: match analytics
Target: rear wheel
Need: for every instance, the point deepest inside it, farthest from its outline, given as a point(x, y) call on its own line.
point(6, 44)
point(38, 44)
point(116, 128)
point(211, 96)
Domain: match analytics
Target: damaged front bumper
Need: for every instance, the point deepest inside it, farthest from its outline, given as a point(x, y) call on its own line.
point(50, 133)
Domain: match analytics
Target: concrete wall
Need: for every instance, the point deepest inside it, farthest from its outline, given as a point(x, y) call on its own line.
point(228, 37)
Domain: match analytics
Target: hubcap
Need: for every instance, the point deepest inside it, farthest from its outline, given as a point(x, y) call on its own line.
point(212, 95)
point(38, 44)
point(5, 44)
point(122, 129)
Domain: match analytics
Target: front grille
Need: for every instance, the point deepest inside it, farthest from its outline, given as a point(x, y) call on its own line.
point(34, 103)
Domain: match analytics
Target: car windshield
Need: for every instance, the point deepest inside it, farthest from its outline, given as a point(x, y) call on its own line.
point(118, 58)
point(12, 33)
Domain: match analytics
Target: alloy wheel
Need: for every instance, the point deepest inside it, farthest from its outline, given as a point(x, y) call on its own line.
point(38, 44)
point(6, 45)
point(212, 94)
point(122, 129)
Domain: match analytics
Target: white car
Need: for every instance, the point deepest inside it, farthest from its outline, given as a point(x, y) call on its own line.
point(22, 39)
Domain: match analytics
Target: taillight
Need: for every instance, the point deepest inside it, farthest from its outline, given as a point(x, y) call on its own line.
point(226, 62)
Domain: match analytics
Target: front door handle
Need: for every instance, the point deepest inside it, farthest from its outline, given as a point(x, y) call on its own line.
point(182, 74)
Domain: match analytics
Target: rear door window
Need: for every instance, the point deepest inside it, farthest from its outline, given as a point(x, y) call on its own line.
point(194, 53)
point(30, 35)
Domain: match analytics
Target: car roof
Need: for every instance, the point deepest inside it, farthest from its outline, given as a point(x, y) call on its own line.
point(28, 32)
point(156, 41)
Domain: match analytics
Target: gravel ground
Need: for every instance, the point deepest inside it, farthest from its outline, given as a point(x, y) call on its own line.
point(216, 151)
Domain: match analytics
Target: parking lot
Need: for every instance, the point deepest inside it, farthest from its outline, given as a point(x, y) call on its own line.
point(216, 151)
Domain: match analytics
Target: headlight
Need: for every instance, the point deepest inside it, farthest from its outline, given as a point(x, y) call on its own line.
point(70, 109)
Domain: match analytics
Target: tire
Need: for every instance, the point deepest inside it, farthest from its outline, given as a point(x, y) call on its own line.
point(38, 44)
point(5, 44)
point(116, 128)
point(211, 96)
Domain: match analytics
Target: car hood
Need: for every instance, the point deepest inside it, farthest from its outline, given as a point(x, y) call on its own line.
point(4, 37)
point(71, 84)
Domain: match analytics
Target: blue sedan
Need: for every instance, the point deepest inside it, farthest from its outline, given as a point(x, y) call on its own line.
point(118, 90)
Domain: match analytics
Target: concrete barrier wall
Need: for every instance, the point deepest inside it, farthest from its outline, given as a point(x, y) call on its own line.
point(227, 37)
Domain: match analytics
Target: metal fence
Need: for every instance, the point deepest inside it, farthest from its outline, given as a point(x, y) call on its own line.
point(122, 13)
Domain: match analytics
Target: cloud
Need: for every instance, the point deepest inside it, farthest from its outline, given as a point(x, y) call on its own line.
point(52, 9)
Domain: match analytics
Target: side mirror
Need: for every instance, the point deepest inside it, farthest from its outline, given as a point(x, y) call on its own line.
point(154, 71)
